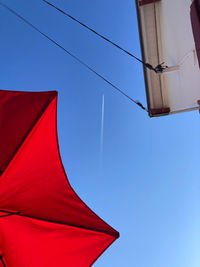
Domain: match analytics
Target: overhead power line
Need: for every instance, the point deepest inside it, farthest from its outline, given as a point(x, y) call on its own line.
point(158, 69)
point(69, 53)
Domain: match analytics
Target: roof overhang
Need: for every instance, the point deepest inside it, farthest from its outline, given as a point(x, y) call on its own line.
point(166, 36)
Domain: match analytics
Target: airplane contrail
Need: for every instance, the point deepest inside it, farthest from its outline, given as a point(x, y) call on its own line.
point(102, 130)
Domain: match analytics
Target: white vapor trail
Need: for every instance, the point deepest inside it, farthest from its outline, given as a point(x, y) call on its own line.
point(102, 130)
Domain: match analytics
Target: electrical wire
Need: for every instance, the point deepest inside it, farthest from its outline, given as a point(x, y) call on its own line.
point(158, 69)
point(73, 56)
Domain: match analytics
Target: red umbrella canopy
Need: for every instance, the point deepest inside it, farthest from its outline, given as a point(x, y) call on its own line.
point(42, 220)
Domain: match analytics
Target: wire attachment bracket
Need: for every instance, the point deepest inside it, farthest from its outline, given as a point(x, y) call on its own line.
point(140, 105)
point(158, 69)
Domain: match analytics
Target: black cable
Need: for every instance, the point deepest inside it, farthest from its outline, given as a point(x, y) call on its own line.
point(159, 68)
point(76, 58)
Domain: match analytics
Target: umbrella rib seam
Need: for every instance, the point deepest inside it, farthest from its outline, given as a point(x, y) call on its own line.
point(116, 235)
point(2, 261)
point(25, 137)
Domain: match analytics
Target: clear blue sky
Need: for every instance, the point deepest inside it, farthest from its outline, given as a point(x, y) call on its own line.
point(148, 185)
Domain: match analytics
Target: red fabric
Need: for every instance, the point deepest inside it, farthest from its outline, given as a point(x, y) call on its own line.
point(146, 2)
point(54, 227)
point(195, 20)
